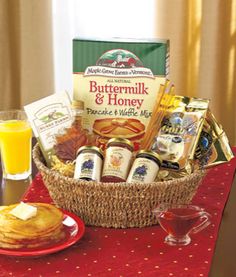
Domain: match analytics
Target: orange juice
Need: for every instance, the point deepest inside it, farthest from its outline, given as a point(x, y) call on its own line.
point(15, 144)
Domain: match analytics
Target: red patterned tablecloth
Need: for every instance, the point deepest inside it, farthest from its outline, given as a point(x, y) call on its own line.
point(132, 252)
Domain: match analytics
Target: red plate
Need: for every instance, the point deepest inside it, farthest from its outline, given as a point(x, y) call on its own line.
point(74, 229)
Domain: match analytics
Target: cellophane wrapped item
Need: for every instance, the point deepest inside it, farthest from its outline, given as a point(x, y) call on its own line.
point(179, 131)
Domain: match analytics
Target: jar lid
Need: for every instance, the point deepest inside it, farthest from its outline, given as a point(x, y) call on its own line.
point(121, 140)
point(78, 104)
point(95, 148)
point(151, 154)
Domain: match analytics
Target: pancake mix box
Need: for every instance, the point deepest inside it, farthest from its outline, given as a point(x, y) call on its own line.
point(118, 81)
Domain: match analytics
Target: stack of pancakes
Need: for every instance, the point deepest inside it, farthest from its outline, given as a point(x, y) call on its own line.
point(44, 228)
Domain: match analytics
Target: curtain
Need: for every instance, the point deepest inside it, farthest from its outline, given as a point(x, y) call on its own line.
point(26, 59)
point(202, 37)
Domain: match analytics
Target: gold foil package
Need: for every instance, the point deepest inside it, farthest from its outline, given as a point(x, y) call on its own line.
point(213, 146)
point(179, 131)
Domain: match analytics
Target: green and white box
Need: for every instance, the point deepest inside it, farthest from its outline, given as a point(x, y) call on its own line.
point(118, 78)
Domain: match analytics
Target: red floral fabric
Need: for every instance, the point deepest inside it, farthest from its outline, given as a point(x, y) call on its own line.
point(136, 251)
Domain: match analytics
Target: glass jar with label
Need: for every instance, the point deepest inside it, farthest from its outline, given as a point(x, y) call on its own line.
point(89, 163)
point(145, 167)
point(117, 161)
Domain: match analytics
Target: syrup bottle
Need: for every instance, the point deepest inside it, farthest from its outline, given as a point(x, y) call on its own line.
point(78, 110)
point(74, 137)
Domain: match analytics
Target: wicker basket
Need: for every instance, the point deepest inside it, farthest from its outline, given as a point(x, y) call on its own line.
point(115, 205)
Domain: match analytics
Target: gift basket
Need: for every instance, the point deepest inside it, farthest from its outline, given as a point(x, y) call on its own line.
point(126, 143)
point(115, 204)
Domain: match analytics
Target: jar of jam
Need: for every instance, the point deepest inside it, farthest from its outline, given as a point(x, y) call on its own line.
point(89, 163)
point(117, 161)
point(145, 167)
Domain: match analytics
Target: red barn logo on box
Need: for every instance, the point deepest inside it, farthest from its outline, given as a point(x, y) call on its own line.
point(119, 63)
point(119, 58)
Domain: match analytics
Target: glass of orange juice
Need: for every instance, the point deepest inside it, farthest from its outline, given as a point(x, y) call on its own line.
point(15, 144)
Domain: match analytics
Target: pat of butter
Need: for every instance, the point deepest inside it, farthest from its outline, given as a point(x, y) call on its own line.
point(24, 211)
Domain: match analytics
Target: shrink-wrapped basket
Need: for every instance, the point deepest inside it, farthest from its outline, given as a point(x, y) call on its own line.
point(118, 205)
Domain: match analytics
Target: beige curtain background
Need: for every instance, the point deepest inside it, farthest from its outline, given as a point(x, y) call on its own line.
point(26, 60)
point(202, 34)
point(202, 37)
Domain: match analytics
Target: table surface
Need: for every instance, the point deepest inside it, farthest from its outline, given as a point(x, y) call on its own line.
point(224, 258)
